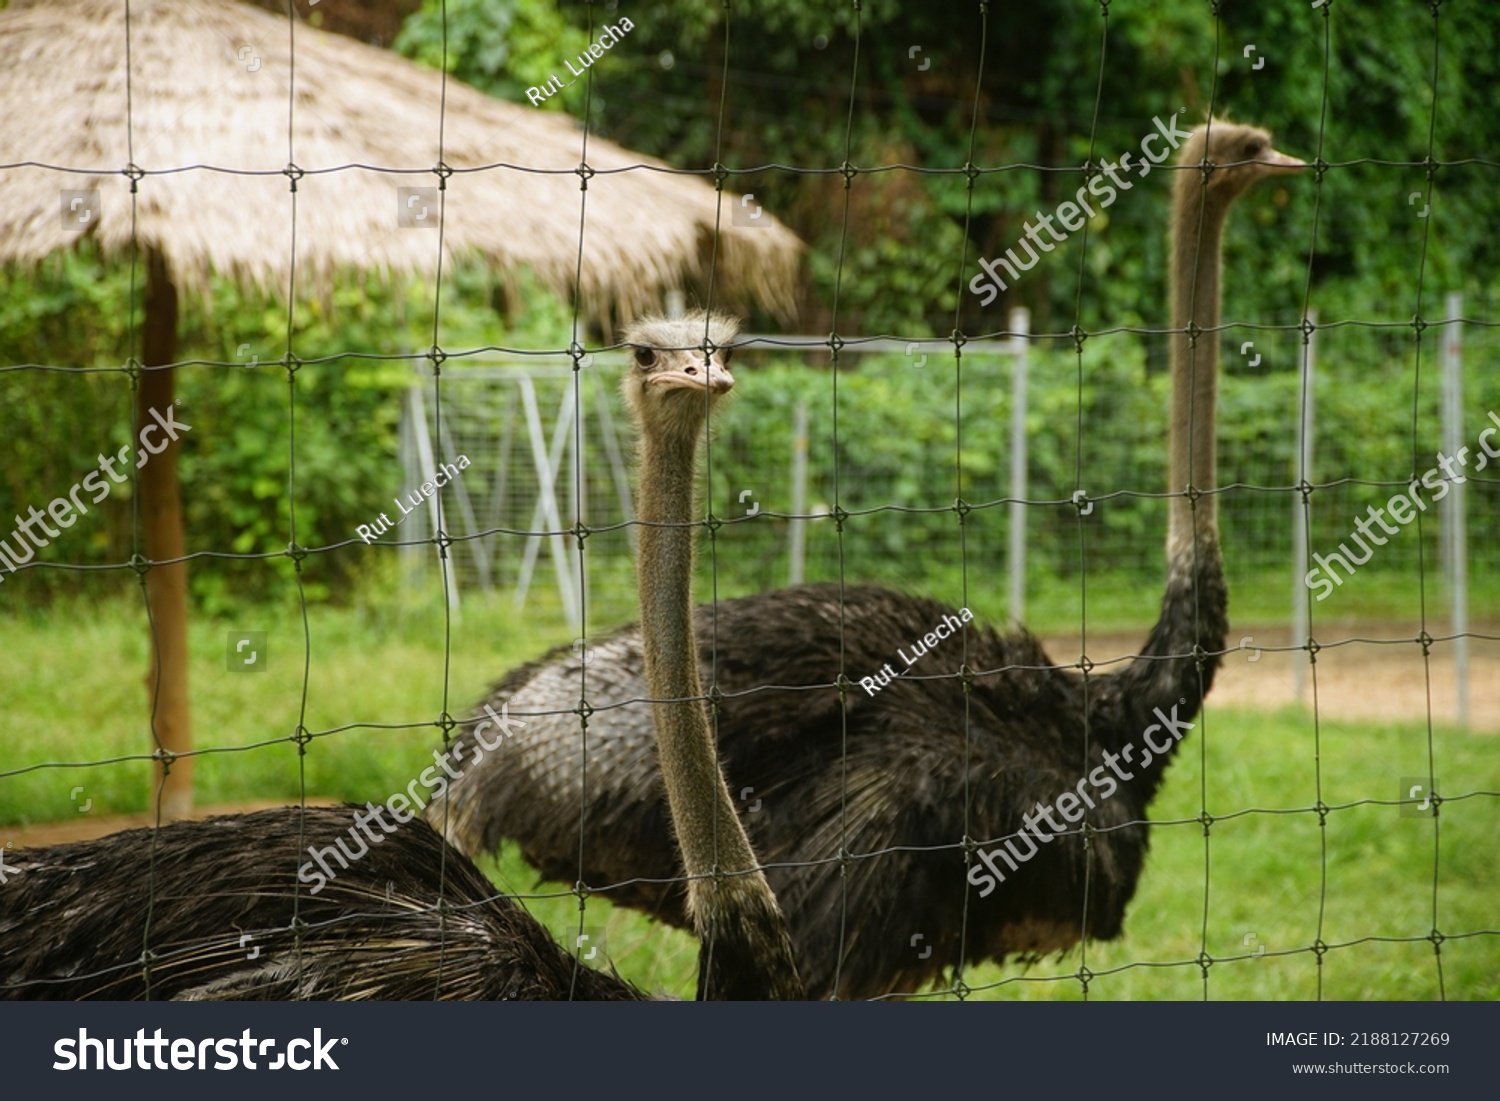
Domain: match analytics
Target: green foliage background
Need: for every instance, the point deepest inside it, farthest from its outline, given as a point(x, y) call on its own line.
point(889, 253)
point(275, 455)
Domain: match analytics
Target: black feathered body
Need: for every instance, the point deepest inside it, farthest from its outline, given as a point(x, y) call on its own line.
point(229, 919)
point(1026, 731)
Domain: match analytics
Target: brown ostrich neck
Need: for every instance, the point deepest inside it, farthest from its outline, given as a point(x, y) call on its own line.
point(1197, 233)
point(707, 827)
point(745, 949)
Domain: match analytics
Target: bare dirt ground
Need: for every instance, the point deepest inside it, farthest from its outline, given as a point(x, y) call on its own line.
point(1364, 672)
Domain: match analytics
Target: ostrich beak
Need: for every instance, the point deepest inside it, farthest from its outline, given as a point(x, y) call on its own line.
point(1278, 163)
point(713, 377)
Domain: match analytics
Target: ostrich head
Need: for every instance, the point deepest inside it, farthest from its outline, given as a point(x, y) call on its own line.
point(1238, 154)
point(673, 385)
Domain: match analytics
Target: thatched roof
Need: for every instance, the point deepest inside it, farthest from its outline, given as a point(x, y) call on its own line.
point(209, 103)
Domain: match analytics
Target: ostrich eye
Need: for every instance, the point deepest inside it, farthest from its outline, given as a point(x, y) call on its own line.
point(645, 357)
point(726, 352)
point(1253, 148)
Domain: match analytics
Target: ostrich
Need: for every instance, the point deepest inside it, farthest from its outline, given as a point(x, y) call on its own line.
point(875, 811)
point(218, 904)
point(230, 907)
point(744, 943)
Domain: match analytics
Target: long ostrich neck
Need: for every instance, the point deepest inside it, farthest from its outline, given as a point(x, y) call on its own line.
point(1177, 664)
point(695, 789)
point(746, 951)
point(1197, 234)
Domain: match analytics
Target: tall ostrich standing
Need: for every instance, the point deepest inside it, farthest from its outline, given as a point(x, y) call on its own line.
point(861, 803)
point(231, 907)
point(744, 944)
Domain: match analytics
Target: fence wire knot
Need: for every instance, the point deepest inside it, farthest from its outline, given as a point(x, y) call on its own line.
point(1085, 976)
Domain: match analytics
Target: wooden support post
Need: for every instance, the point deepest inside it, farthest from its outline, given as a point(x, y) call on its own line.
point(171, 796)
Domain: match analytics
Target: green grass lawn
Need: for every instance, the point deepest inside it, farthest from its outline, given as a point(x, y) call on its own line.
point(1265, 886)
